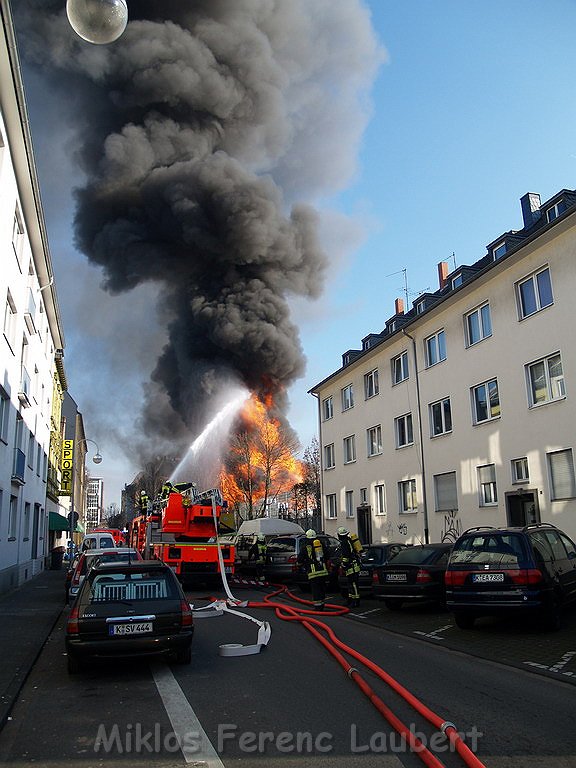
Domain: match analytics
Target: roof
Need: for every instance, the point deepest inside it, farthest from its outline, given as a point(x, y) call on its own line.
point(271, 526)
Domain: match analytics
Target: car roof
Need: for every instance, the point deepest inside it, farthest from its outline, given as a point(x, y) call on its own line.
point(488, 530)
point(146, 565)
point(111, 551)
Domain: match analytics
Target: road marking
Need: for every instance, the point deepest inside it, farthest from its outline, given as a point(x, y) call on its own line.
point(365, 613)
point(434, 634)
point(558, 666)
point(184, 720)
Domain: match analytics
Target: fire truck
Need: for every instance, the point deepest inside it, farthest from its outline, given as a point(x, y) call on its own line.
point(184, 531)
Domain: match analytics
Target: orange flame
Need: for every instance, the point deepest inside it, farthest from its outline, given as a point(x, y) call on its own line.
point(261, 462)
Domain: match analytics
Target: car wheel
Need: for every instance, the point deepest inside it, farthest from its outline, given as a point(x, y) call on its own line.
point(74, 665)
point(464, 621)
point(393, 604)
point(184, 656)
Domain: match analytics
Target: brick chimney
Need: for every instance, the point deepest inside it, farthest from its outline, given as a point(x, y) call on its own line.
point(399, 307)
point(442, 273)
point(530, 203)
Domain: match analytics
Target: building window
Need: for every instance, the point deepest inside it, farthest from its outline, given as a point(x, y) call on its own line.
point(329, 459)
point(10, 320)
point(327, 408)
point(554, 211)
point(546, 380)
point(420, 307)
point(403, 430)
point(374, 436)
point(349, 449)
point(534, 293)
point(440, 417)
point(400, 368)
point(380, 493)
point(487, 485)
point(486, 401)
point(520, 472)
point(4, 414)
point(371, 384)
point(478, 325)
point(18, 235)
point(349, 503)
point(13, 518)
point(457, 281)
point(331, 511)
point(499, 250)
point(435, 348)
point(407, 496)
point(26, 526)
point(446, 492)
point(562, 480)
point(364, 496)
point(347, 397)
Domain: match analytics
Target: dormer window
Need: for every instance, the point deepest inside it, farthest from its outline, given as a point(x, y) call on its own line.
point(457, 281)
point(499, 250)
point(420, 307)
point(554, 211)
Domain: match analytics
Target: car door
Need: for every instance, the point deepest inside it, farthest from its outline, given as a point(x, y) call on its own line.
point(562, 564)
point(571, 574)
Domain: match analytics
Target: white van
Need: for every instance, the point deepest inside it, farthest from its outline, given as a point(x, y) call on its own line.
point(97, 541)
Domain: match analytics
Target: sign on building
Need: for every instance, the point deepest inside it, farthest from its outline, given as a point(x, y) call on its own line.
point(67, 467)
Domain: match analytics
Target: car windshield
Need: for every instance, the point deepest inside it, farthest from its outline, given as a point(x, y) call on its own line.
point(489, 549)
point(372, 555)
point(118, 556)
point(416, 556)
point(282, 545)
point(121, 586)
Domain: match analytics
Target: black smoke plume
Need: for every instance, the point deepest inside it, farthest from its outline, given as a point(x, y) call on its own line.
point(189, 129)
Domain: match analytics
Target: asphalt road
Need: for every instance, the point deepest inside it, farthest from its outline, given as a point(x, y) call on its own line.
point(289, 705)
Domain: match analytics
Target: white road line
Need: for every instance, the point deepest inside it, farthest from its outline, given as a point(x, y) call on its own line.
point(365, 613)
point(184, 722)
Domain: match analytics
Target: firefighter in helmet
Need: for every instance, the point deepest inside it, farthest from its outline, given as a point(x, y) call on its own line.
point(143, 502)
point(257, 552)
point(313, 557)
point(167, 489)
point(350, 563)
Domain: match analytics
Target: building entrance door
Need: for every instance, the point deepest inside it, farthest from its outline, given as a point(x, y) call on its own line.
point(364, 524)
point(522, 508)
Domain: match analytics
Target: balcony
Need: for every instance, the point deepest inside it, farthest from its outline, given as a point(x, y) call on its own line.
point(19, 467)
point(30, 313)
point(24, 393)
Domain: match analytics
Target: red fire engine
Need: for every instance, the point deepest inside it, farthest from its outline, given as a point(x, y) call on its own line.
point(183, 534)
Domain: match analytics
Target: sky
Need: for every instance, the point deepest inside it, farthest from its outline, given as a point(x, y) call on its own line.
point(438, 116)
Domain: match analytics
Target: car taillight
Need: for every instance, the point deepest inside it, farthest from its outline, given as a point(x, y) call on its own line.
point(186, 613)
point(423, 576)
point(292, 559)
point(526, 576)
point(375, 579)
point(455, 578)
point(72, 627)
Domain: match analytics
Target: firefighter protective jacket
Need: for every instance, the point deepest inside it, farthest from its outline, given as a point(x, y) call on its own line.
point(350, 555)
point(313, 557)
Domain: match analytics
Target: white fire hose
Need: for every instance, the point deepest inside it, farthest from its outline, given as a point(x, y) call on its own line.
point(219, 607)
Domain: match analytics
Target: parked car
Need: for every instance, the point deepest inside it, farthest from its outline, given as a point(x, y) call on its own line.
point(129, 609)
point(496, 571)
point(372, 556)
point(282, 559)
point(92, 556)
point(415, 575)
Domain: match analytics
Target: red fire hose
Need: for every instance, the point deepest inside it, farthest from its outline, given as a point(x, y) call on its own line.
point(332, 644)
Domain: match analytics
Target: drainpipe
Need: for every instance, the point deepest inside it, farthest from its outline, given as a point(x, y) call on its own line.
point(424, 495)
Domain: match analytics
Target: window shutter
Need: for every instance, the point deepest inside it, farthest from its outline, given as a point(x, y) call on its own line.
point(562, 474)
point(446, 492)
point(487, 474)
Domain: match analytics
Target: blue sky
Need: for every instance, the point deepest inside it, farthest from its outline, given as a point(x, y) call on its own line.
point(473, 107)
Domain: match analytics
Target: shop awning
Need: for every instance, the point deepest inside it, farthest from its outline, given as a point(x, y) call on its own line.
point(57, 522)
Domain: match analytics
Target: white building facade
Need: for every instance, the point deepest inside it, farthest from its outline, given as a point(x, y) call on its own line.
point(461, 412)
point(94, 502)
point(31, 335)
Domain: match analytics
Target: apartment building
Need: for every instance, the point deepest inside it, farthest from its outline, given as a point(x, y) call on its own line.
point(94, 502)
point(461, 411)
point(30, 341)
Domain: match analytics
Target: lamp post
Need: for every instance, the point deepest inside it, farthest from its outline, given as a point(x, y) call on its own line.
point(97, 458)
point(98, 21)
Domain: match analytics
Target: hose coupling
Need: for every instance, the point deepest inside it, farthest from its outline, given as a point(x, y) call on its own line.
point(447, 724)
point(351, 670)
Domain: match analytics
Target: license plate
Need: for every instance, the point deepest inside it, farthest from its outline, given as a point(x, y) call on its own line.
point(486, 577)
point(396, 577)
point(136, 628)
point(364, 573)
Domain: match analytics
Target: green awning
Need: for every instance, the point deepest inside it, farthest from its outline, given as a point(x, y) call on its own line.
point(57, 522)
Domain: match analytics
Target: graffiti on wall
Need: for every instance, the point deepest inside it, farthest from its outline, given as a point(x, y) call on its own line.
point(452, 526)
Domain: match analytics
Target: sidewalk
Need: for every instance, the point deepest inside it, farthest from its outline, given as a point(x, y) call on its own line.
point(27, 616)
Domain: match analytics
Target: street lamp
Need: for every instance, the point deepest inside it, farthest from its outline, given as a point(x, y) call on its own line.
point(97, 458)
point(98, 21)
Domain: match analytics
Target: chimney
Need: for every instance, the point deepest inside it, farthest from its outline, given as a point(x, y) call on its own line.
point(399, 307)
point(530, 208)
point(442, 273)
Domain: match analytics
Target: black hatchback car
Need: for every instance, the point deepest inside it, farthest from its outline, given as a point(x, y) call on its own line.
point(129, 609)
point(496, 571)
point(415, 575)
point(371, 557)
point(282, 559)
